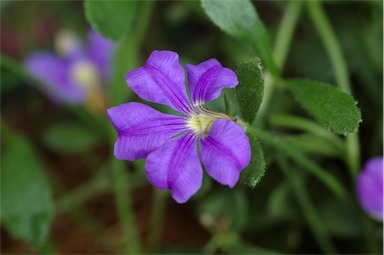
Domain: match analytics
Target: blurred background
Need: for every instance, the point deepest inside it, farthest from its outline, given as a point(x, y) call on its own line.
point(70, 144)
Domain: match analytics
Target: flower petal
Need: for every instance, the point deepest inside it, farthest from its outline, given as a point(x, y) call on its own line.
point(207, 79)
point(141, 129)
point(225, 152)
point(176, 166)
point(370, 187)
point(55, 74)
point(161, 80)
point(101, 53)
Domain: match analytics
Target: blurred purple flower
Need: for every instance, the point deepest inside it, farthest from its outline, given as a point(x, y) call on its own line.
point(370, 187)
point(78, 73)
point(169, 142)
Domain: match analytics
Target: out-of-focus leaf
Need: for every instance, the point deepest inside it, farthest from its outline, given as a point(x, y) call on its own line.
point(252, 174)
point(239, 19)
point(215, 207)
point(250, 90)
point(331, 107)
point(279, 204)
point(26, 206)
point(323, 175)
point(314, 145)
point(69, 138)
point(112, 19)
point(341, 218)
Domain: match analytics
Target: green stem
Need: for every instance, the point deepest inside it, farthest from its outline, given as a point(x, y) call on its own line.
point(340, 68)
point(120, 176)
point(157, 218)
point(124, 206)
point(309, 211)
point(285, 32)
point(305, 125)
point(280, 51)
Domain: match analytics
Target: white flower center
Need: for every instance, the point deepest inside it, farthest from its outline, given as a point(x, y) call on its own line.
point(201, 119)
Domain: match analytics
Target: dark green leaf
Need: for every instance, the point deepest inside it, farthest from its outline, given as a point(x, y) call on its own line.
point(69, 138)
point(26, 206)
point(252, 174)
point(331, 107)
point(250, 90)
point(239, 19)
point(112, 19)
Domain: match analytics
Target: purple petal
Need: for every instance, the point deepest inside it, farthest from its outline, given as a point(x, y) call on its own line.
point(370, 187)
point(225, 152)
point(101, 52)
point(207, 79)
point(54, 73)
point(161, 80)
point(176, 166)
point(141, 129)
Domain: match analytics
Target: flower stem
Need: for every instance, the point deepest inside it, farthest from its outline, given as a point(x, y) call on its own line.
point(285, 32)
point(157, 217)
point(125, 212)
point(341, 74)
point(120, 176)
point(283, 41)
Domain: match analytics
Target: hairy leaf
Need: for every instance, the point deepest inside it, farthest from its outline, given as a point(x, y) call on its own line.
point(331, 107)
point(250, 90)
point(252, 174)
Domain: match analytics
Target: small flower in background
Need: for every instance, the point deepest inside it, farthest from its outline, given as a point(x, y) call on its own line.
point(79, 73)
point(170, 142)
point(370, 188)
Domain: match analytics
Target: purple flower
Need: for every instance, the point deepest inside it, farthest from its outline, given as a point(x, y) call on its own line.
point(78, 74)
point(370, 188)
point(170, 142)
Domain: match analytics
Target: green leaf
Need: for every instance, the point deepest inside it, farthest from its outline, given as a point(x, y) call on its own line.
point(250, 90)
point(26, 206)
point(252, 174)
point(331, 107)
point(239, 19)
point(112, 19)
point(69, 138)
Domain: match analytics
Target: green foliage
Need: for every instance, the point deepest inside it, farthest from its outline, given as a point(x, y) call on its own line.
point(326, 178)
point(252, 174)
point(112, 19)
point(26, 206)
point(69, 138)
point(215, 207)
point(314, 145)
point(239, 19)
point(331, 107)
point(250, 90)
